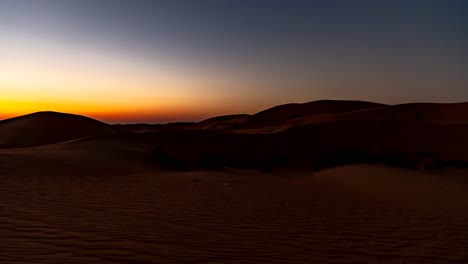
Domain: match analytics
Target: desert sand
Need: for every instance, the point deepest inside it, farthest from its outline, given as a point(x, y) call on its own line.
point(74, 190)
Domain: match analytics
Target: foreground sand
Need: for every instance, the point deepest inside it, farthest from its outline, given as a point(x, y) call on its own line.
point(54, 209)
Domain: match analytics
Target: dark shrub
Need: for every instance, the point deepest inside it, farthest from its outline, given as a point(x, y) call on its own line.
point(233, 161)
point(457, 163)
point(398, 159)
point(434, 165)
point(271, 161)
point(167, 160)
point(211, 161)
point(428, 155)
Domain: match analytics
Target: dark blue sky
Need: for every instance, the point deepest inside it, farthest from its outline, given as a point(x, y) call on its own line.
point(254, 54)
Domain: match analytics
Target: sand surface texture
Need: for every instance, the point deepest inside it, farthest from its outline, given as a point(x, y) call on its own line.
point(53, 211)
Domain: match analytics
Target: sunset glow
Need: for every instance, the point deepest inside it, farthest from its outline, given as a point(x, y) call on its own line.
point(150, 62)
point(101, 86)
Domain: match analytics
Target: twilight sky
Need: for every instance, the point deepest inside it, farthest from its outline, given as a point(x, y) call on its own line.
point(174, 60)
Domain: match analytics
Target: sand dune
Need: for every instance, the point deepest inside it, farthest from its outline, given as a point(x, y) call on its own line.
point(48, 127)
point(291, 111)
point(103, 155)
point(428, 190)
point(456, 113)
point(274, 193)
point(283, 117)
point(335, 216)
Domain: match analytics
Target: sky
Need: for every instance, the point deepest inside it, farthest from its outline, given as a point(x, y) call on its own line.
point(163, 61)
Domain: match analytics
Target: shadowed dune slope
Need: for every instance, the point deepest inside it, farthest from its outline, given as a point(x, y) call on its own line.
point(44, 128)
point(101, 155)
point(408, 144)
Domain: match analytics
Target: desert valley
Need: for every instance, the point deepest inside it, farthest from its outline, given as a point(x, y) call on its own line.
point(320, 182)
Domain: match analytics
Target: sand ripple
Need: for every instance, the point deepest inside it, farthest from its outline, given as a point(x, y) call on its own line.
point(257, 218)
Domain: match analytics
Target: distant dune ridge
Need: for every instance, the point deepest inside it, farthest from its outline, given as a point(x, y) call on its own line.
point(317, 134)
point(284, 114)
point(331, 111)
point(454, 113)
point(322, 107)
point(44, 128)
point(223, 122)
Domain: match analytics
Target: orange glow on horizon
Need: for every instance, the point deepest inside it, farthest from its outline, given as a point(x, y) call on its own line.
point(110, 113)
point(100, 87)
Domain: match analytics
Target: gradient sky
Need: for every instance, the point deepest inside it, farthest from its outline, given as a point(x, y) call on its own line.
point(162, 61)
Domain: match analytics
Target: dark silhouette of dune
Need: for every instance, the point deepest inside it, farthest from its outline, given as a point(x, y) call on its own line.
point(284, 117)
point(313, 108)
point(285, 112)
point(44, 128)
